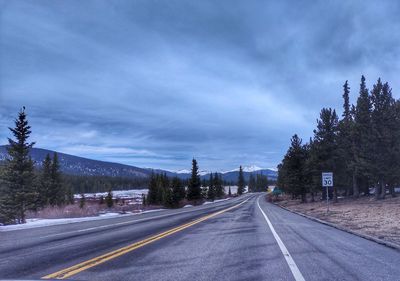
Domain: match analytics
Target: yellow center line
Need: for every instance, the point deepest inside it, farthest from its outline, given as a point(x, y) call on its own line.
point(70, 271)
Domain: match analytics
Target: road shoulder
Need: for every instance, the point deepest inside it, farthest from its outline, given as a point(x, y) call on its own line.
point(339, 227)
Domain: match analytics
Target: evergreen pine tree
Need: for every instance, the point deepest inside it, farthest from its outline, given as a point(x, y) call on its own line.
point(168, 198)
point(382, 119)
point(362, 141)
point(194, 188)
point(252, 183)
point(178, 191)
point(18, 193)
point(163, 189)
point(241, 182)
point(109, 199)
point(44, 185)
point(82, 201)
point(57, 191)
point(312, 171)
point(229, 192)
point(211, 188)
point(325, 137)
point(345, 173)
point(394, 178)
point(70, 195)
point(218, 186)
point(294, 167)
point(153, 190)
point(261, 183)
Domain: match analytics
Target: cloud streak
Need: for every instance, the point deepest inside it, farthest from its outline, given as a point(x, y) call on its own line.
point(154, 84)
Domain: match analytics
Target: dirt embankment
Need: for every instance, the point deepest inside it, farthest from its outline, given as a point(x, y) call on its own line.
point(380, 219)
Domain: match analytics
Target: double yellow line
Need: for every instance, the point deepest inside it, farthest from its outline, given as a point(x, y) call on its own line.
point(75, 269)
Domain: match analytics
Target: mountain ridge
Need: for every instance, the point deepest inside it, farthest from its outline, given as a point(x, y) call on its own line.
point(76, 165)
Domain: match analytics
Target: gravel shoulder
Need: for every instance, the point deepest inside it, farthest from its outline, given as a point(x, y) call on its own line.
point(380, 219)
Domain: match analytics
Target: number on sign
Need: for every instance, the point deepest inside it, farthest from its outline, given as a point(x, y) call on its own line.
point(327, 179)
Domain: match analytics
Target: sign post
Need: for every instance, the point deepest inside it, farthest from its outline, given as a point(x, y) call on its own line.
point(327, 181)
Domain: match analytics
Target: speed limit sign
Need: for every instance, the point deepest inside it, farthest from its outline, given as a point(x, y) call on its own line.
point(327, 179)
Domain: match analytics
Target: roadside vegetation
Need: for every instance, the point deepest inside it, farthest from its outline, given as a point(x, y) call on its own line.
point(377, 218)
point(362, 149)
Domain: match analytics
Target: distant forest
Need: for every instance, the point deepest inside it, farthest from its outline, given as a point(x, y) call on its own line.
point(90, 184)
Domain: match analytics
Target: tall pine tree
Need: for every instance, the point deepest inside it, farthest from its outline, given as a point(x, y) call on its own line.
point(241, 183)
point(153, 189)
point(325, 137)
point(294, 167)
point(345, 172)
point(382, 119)
point(178, 191)
point(218, 186)
point(57, 191)
point(19, 193)
point(252, 183)
point(45, 182)
point(362, 141)
point(194, 187)
point(211, 188)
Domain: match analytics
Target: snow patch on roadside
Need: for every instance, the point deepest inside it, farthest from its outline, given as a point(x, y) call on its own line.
point(152, 211)
point(215, 201)
point(36, 222)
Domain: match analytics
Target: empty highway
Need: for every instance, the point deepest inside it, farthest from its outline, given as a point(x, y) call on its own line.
point(245, 238)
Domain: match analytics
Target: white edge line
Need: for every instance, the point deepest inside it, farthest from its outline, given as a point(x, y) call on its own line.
point(292, 265)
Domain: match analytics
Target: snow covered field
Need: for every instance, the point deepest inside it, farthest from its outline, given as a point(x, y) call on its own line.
point(33, 223)
point(120, 194)
point(234, 189)
point(137, 193)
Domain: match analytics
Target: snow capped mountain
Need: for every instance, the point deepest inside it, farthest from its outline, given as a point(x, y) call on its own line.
point(247, 169)
point(203, 172)
point(185, 171)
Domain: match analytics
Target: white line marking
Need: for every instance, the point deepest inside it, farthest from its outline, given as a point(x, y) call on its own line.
point(131, 221)
point(292, 265)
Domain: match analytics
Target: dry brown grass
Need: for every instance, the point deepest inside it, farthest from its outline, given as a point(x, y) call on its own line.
point(91, 208)
point(380, 219)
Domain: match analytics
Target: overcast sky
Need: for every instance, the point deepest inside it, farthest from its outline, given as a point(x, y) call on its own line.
point(155, 83)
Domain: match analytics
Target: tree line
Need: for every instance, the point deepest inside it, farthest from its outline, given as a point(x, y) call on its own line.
point(361, 148)
point(171, 192)
point(258, 183)
point(91, 184)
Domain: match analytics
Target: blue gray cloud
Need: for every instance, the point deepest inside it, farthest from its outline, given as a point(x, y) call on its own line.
point(155, 83)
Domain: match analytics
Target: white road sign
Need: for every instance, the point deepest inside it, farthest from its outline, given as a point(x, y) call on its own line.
point(327, 179)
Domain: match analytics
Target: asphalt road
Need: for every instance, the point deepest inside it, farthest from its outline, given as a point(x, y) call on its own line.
point(252, 241)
